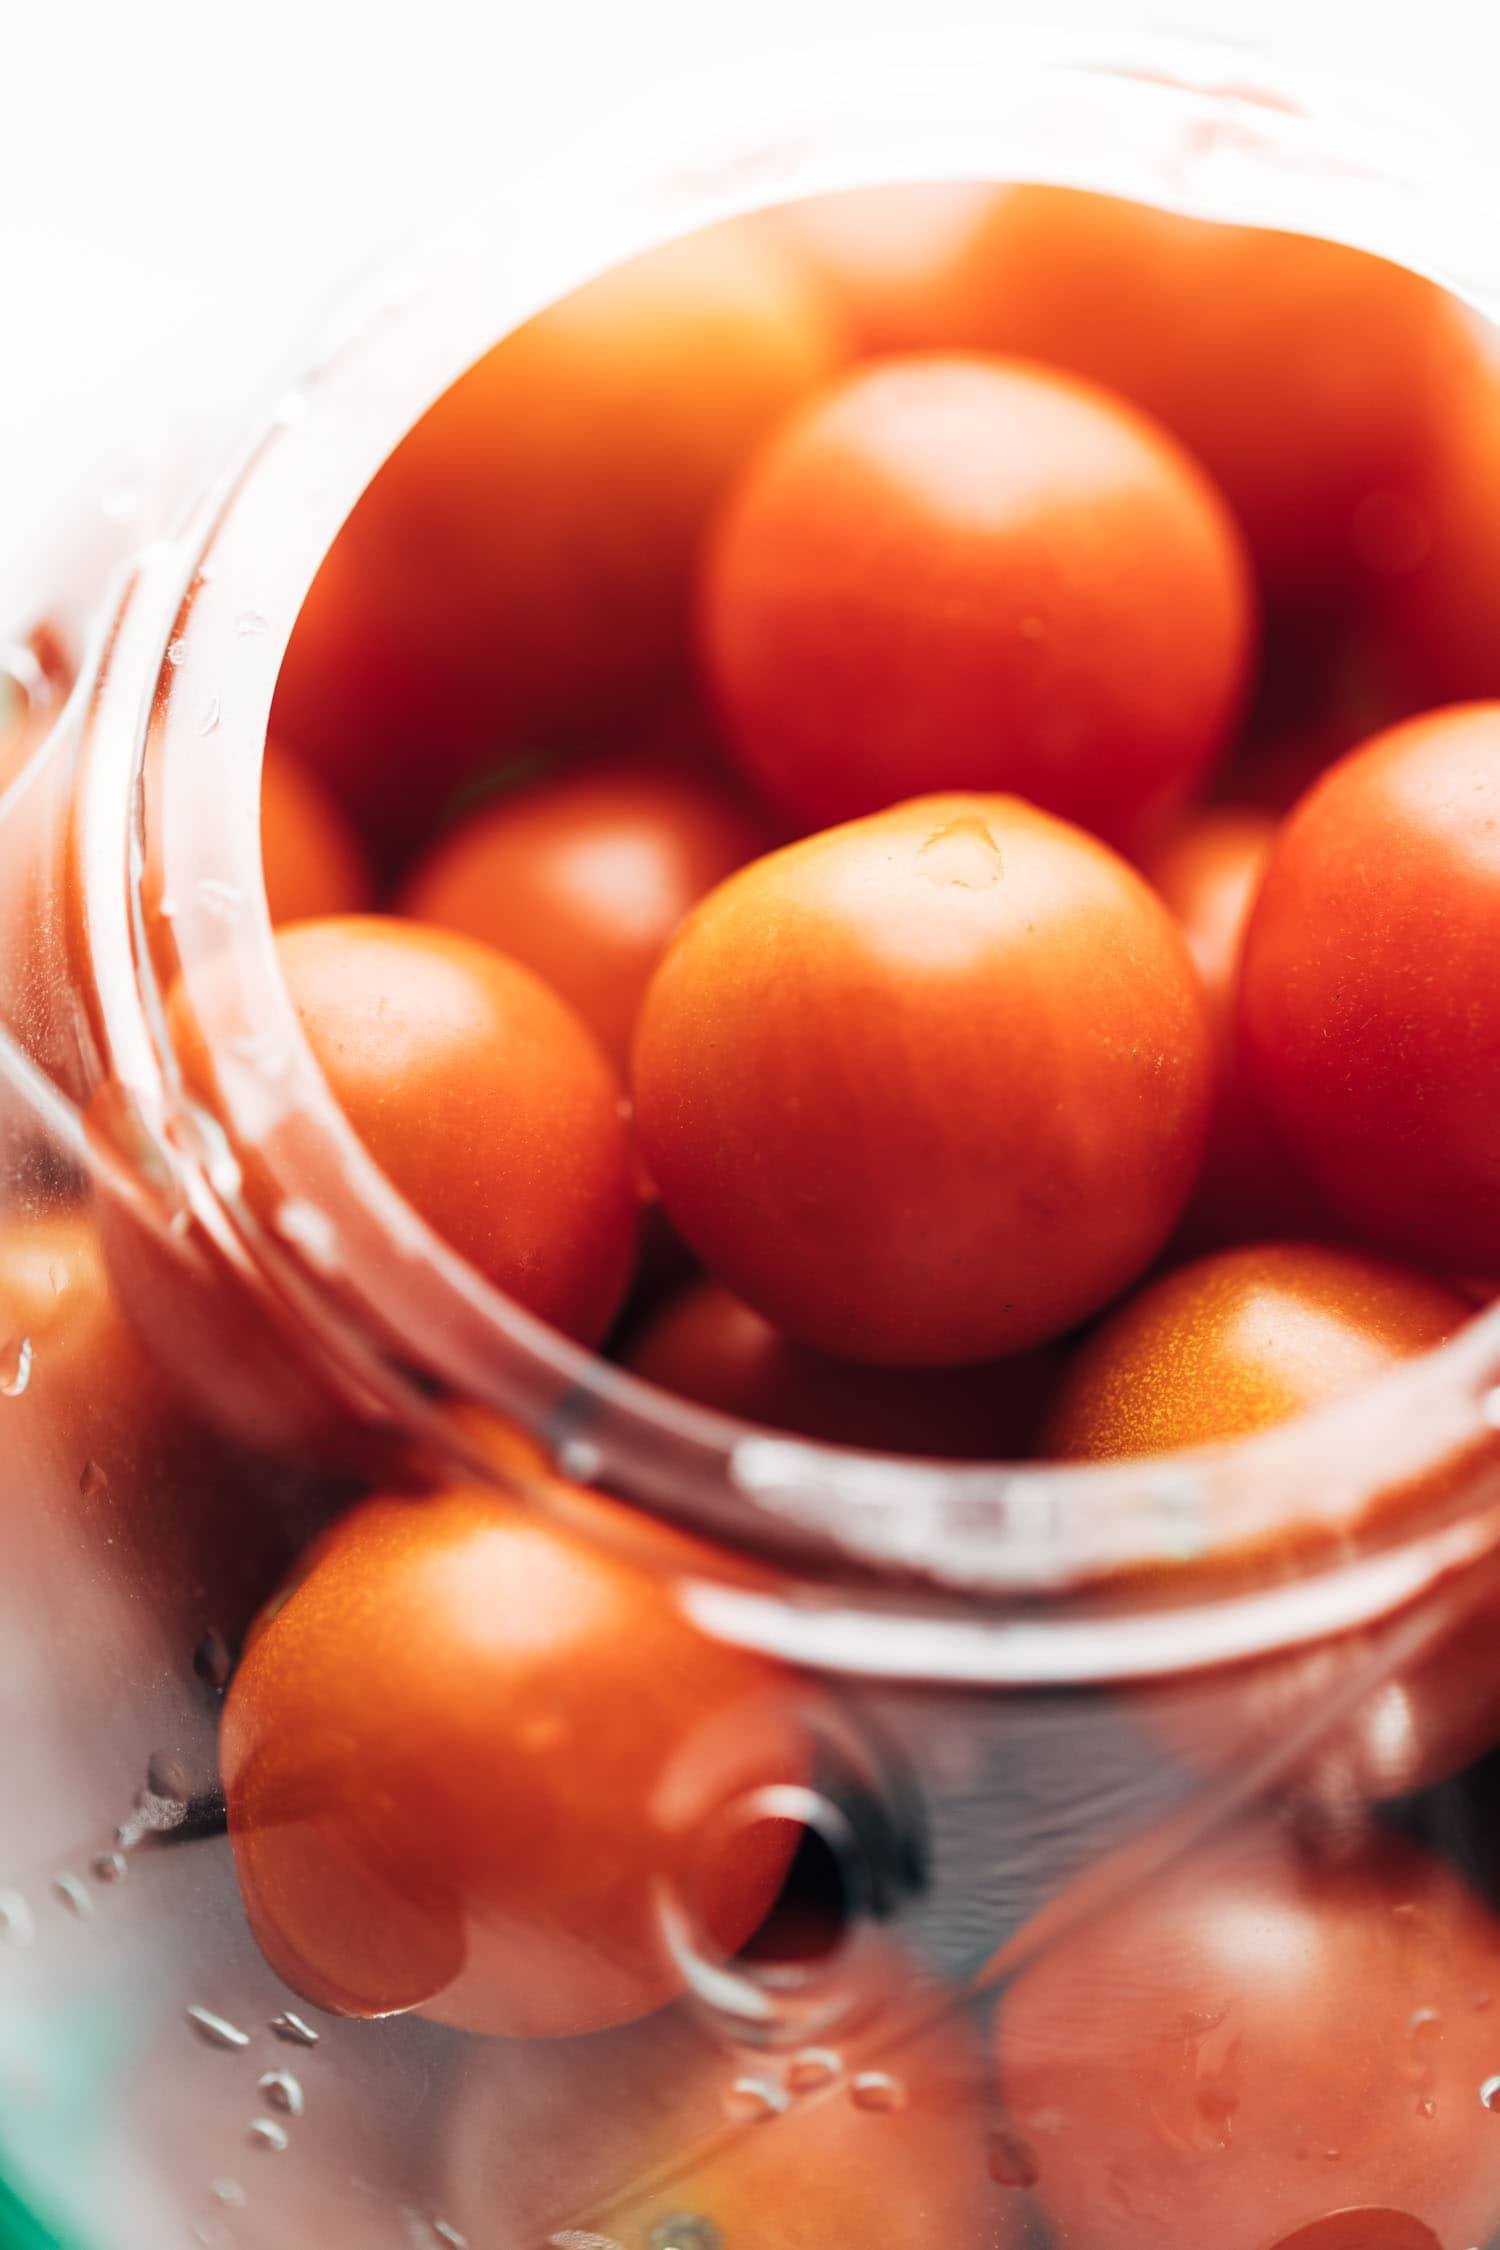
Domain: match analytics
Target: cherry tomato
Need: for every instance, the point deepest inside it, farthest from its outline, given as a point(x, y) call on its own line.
point(928, 1087)
point(658, 2165)
point(1369, 1020)
point(1209, 873)
point(709, 1347)
point(484, 1098)
point(889, 252)
point(313, 862)
point(1251, 2044)
point(520, 568)
point(468, 1756)
point(1311, 380)
point(962, 573)
point(1441, 613)
point(584, 874)
point(1239, 1341)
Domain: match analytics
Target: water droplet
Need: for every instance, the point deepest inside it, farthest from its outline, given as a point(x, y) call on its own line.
point(1424, 2032)
point(577, 2238)
point(92, 1479)
point(309, 1229)
point(212, 713)
point(1489, 2093)
point(167, 1780)
point(228, 2191)
point(59, 1276)
point(73, 1896)
point(217, 898)
point(1333, 2152)
point(217, 2030)
point(580, 1459)
point(176, 653)
point(686, 2230)
point(266, 2133)
point(962, 856)
point(450, 2234)
point(212, 2234)
point(1012, 2160)
point(16, 1925)
point(281, 2091)
point(1426, 2106)
point(212, 1661)
point(877, 2090)
point(293, 2030)
point(15, 1366)
point(752, 2101)
point(812, 2068)
point(206, 573)
point(249, 625)
point(108, 1867)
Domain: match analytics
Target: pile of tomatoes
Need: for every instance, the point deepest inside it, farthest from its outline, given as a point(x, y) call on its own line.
point(909, 759)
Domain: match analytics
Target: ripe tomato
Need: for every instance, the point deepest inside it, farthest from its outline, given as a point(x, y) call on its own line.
point(625, 2134)
point(312, 860)
point(484, 1098)
point(467, 1755)
point(928, 1087)
point(1442, 613)
point(1251, 2044)
point(709, 1347)
point(1369, 1020)
point(889, 253)
point(520, 567)
point(1311, 380)
point(960, 573)
point(1239, 1341)
point(584, 874)
point(1209, 873)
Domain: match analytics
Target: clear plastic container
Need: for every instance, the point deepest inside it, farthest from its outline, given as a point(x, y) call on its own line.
point(1058, 1714)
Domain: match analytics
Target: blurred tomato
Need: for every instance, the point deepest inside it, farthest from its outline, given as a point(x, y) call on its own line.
point(889, 254)
point(928, 1087)
point(469, 1755)
point(959, 573)
point(312, 859)
point(1441, 602)
point(519, 569)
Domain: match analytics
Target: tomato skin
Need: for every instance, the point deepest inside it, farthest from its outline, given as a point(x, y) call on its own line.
point(1241, 1340)
point(520, 569)
point(487, 1102)
point(1311, 380)
point(929, 1087)
point(312, 859)
point(1249, 2044)
point(463, 1753)
point(1368, 1023)
point(709, 1347)
point(584, 874)
point(959, 573)
point(1250, 1188)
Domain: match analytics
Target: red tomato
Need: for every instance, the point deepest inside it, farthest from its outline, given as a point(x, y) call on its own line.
point(467, 1755)
point(1441, 613)
point(584, 874)
point(1250, 2045)
point(1209, 874)
point(625, 2134)
point(1369, 1016)
point(520, 567)
point(1239, 1341)
point(928, 1087)
point(1311, 380)
point(709, 1347)
point(486, 1101)
point(889, 253)
point(312, 860)
point(958, 573)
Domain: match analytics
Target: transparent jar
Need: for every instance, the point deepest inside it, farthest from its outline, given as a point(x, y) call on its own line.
point(1069, 1726)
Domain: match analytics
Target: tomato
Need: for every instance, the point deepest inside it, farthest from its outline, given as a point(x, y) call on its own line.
point(1311, 380)
point(312, 860)
point(928, 1087)
point(710, 1348)
point(1238, 1341)
point(468, 1755)
point(960, 573)
point(520, 568)
point(1250, 2044)
point(1209, 873)
point(890, 252)
point(1369, 1020)
point(584, 874)
point(487, 1102)
point(1441, 613)
point(625, 2134)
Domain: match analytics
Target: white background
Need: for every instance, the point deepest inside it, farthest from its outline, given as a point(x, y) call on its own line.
point(182, 182)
